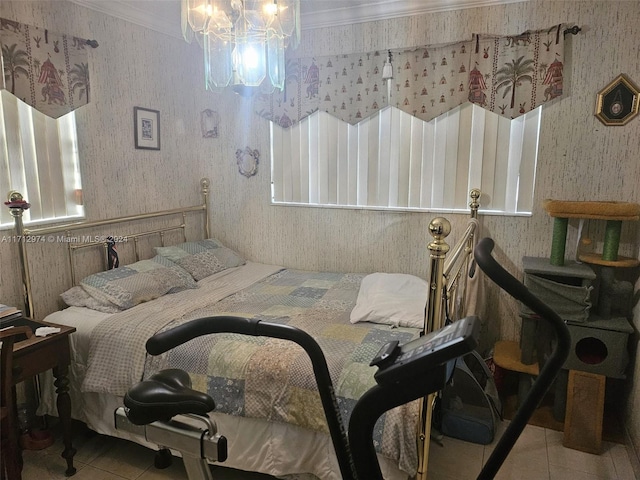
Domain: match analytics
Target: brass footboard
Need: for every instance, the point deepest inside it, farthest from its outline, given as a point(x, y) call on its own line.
point(445, 278)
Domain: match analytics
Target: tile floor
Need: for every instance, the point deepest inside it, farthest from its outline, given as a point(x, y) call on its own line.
point(538, 455)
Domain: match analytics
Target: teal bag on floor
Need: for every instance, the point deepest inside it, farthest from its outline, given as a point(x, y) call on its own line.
point(470, 405)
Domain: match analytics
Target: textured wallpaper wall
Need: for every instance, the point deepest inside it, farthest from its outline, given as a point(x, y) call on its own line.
point(579, 158)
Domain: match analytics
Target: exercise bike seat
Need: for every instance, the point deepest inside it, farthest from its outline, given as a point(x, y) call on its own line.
point(164, 395)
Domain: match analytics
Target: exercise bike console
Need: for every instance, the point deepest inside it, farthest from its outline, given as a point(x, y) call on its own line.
point(396, 362)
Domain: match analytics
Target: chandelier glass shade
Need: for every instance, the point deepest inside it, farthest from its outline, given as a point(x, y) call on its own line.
point(244, 41)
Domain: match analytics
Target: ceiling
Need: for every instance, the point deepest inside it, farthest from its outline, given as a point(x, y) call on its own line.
point(164, 15)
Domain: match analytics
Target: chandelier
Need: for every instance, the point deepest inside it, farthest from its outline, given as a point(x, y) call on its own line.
point(244, 41)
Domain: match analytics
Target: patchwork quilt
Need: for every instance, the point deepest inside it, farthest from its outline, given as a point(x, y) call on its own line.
point(273, 379)
point(261, 377)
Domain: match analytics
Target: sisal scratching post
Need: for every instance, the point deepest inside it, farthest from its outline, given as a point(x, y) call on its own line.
point(559, 240)
point(611, 240)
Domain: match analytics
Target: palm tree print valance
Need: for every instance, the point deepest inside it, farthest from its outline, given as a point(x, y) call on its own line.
point(46, 70)
point(507, 75)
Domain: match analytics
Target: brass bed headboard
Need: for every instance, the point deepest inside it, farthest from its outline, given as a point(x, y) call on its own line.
point(17, 205)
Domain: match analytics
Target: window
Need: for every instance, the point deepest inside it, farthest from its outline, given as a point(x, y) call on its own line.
point(395, 161)
point(39, 158)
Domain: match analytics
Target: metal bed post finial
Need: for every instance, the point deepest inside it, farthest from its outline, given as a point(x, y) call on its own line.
point(17, 205)
point(204, 189)
point(439, 228)
point(474, 205)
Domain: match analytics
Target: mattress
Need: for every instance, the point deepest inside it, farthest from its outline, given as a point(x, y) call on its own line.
point(255, 444)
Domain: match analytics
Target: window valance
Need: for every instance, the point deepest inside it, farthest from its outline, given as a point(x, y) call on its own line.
point(508, 75)
point(47, 70)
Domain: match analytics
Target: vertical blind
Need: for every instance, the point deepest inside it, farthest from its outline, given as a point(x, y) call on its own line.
point(39, 158)
point(393, 160)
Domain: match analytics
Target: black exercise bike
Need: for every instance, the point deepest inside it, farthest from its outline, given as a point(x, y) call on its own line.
point(167, 412)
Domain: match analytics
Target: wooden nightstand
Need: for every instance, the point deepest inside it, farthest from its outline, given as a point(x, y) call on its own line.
point(37, 355)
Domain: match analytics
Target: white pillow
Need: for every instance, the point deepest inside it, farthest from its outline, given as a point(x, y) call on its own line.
point(394, 299)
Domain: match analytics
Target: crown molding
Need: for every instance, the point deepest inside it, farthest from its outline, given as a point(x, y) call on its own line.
point(161, 16)
point(385, 9)
point(164, 15)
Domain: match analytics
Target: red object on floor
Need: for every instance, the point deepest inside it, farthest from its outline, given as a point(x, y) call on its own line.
point(36, 440)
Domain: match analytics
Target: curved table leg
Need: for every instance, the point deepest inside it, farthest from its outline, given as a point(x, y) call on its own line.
point(63, 403)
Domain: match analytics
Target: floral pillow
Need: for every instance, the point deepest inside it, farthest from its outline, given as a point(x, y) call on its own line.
point(139, 282)
point(202, 258)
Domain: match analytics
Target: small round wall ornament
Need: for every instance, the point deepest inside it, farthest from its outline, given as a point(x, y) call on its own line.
point(247, 161)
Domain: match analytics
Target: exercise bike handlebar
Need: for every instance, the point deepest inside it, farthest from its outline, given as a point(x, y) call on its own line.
point(512, 286)
point(517, 290)
point(165, 341)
